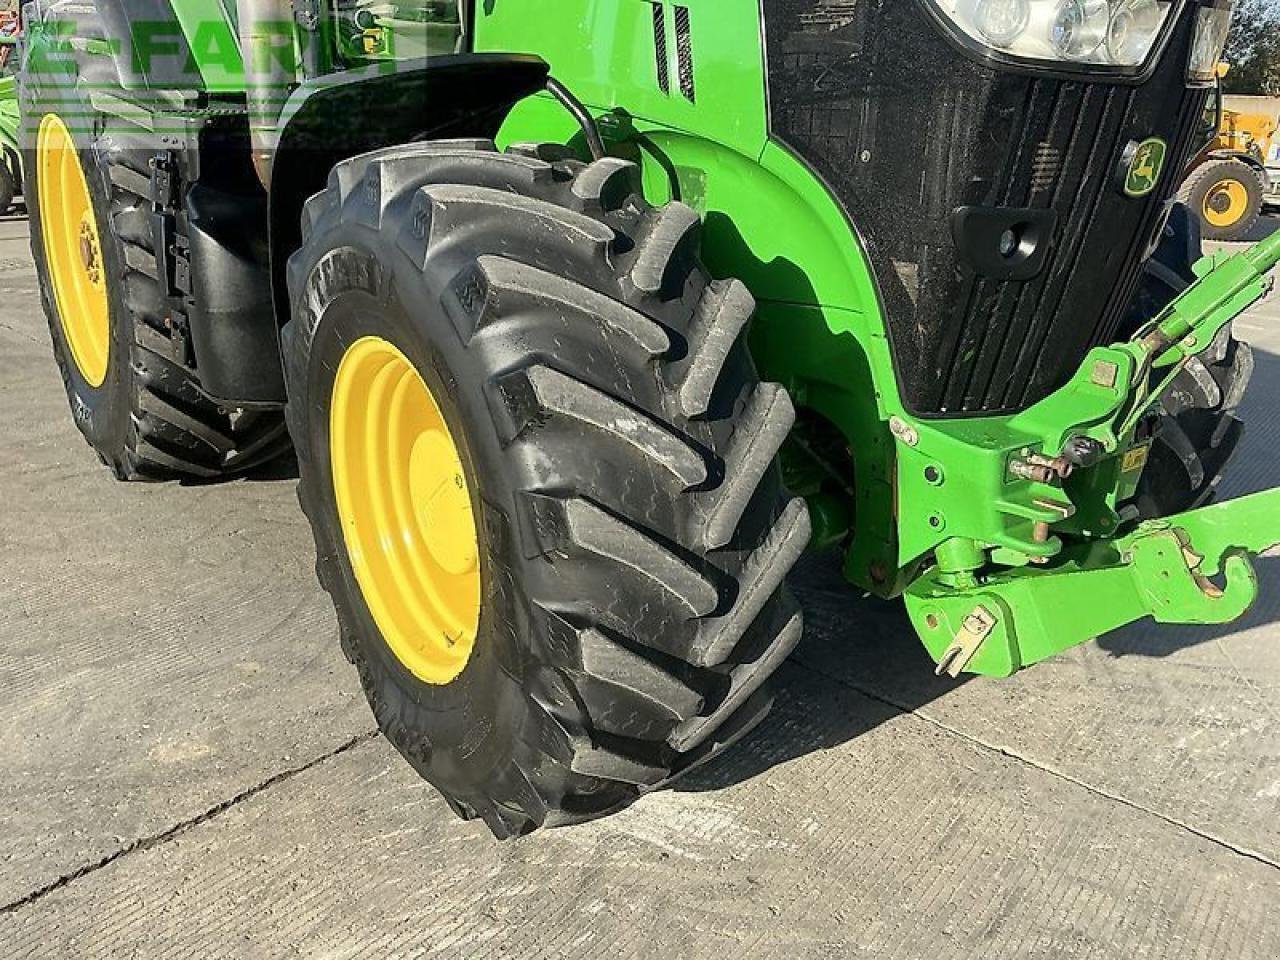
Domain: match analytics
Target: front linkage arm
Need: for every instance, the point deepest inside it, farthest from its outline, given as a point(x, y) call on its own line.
point(1055, 565)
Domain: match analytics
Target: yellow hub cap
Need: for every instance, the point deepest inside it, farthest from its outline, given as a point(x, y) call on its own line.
point(73, 250)
point(405, 509)
point(1226, 203)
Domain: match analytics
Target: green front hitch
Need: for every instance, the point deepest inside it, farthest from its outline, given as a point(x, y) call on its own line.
point(1192, 568)
point(1062, 566)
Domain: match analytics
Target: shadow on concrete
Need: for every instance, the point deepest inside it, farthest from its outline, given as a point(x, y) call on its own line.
point(1257, 463)
point(282, 468)
point(859, 665)
point(17, 211)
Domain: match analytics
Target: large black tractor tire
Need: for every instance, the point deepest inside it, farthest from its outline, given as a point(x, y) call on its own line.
point(148, 418)
point(8, 185)
point(1198, 429)
point(1228, 194)
point(619, 450)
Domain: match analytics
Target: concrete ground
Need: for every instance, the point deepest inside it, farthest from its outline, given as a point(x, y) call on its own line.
point(189, 769)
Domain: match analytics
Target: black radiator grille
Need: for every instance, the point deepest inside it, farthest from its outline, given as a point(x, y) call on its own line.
point(906, 129)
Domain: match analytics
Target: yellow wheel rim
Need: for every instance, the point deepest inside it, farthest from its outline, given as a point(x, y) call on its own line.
point(404, 504)
point(73, 250)
point(1226, 203)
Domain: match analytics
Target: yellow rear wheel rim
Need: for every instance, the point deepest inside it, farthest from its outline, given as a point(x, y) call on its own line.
point(73, 250)
point(404, 503)
point(1226, 203)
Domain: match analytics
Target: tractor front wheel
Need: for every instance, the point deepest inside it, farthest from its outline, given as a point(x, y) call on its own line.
point(540, 471)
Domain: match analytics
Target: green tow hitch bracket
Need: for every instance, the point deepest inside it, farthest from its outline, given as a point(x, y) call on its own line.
point(1167, 569)
point(1049, 577)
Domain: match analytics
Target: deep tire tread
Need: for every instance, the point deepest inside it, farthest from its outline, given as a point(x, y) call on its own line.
point(765, 424)
point(661, 502)
point(536, 393)
point(511, 289)
point(723, 316)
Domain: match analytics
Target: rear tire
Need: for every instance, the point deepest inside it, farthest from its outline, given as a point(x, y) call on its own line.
point(8, 187)
point(148, 418)
point(1198, 429)
point(619, 450)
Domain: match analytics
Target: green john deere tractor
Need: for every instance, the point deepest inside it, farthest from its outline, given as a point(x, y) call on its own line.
point(901, 277)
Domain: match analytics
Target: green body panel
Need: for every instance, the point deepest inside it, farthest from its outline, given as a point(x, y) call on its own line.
point(604, 51)
point(768, 220)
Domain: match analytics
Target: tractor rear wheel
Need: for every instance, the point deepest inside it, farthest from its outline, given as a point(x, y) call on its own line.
point(540, 471)
point(1227, 195)
point(8, 186)
point(133, 389)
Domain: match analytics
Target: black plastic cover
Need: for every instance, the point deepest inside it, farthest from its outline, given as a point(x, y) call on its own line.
point(908, 129)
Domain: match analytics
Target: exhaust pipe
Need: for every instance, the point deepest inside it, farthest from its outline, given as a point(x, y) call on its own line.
point(266, 46)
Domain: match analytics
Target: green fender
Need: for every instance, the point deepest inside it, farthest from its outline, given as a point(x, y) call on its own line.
point(771, 222)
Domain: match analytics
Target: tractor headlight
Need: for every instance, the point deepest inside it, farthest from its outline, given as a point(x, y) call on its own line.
point(1079, 27)
point(1212, 26)
point(1133, 30)
point(1113, 33)
point(1001, 21)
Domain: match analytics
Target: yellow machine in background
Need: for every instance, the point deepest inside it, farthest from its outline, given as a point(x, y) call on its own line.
point(1229, 182)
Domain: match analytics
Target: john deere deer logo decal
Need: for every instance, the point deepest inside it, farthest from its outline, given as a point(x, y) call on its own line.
point(1145, 164)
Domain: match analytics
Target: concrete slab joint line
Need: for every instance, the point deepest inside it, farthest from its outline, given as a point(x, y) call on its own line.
point(164, 836)
point(1029, 762)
